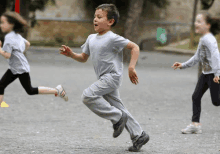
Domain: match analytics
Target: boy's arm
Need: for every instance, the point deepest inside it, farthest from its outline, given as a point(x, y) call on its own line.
point(134, 57)
point(69, 53)
point(134, 54)
point(6, 55)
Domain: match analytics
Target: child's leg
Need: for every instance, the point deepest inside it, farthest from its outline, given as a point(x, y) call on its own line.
point(132, 125)
point(47, 90)
point(1, 99)
point(7, 78)
point(214, 91)
point(200, 89)
point(93, 98)
point(26, 83)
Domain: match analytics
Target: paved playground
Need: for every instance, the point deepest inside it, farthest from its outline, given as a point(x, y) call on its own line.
point(161, 103)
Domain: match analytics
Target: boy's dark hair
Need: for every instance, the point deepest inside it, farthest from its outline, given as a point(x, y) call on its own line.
point(214, 22)
point(112, 12)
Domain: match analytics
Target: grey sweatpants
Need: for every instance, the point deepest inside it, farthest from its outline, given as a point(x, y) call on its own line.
point(103, 98)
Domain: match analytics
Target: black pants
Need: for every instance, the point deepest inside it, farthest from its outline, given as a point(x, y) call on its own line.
point(24, 78)
point(204, 82)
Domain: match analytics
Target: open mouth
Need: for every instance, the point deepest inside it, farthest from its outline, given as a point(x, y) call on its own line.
point(95, 25)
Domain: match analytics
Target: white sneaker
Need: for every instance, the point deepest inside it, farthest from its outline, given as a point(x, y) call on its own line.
point(60, 90)
point(192, 129)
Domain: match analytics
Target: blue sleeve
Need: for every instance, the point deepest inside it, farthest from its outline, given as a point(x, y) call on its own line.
point(85, 46)
point(119, 43)
point(7, 46)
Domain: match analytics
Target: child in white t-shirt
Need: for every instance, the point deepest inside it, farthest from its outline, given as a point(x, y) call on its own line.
point(102, 97)
point(13, 48)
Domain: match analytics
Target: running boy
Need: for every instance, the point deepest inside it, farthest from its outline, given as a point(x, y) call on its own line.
point(208, 54)
point(13, 48)
point(102, 97)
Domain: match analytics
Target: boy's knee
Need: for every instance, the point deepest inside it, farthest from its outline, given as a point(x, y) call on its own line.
point(85, 99)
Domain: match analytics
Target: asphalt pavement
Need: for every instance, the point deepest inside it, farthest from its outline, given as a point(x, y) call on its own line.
point(161, 103)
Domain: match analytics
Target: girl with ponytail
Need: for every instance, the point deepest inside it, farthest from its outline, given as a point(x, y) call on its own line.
point(208, 54)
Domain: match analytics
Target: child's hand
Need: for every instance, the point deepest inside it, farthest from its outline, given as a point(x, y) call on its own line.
point(215, 79)
point(177, 65)
point(133, 75)
point(66, 51)
point(0, 43)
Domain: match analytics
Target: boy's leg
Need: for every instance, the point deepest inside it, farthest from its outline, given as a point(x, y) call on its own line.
point(6, 79)
point(132, 125)
point(214, 91)
point(93, 98)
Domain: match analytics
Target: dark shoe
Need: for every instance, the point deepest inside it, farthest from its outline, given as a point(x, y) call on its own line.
point(120, 125)
point(143, 139)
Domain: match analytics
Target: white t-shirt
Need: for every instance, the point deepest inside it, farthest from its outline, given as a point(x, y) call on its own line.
point(106, 53)
point(15, 44)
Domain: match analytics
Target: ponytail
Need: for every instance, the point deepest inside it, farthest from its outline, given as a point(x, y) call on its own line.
point(214, 22)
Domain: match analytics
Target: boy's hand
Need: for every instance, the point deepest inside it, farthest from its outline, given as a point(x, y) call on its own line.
point(215, 79)
point(133, 75)
point(65, 50)
point(177, 65)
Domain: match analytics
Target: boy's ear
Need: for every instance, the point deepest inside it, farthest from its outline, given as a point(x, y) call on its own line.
point(111, 22)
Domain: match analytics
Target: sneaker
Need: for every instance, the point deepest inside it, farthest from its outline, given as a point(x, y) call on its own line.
point(120, 125)
point(192, 129)
point(60, 90)
point(142, 140)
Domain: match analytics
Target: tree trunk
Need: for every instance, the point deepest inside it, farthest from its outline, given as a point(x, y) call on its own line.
point(192, 35)
point(131, 25)
point(3, 5)
point(24, 12)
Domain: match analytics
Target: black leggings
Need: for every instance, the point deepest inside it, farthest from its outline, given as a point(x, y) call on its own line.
point(24, 78)
point(204, 82)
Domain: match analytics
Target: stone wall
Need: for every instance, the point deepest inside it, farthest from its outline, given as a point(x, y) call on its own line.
point(69, 21)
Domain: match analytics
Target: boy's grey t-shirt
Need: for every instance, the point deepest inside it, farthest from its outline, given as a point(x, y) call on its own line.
point(106, 53)
point(15, 44)
point(208, 53)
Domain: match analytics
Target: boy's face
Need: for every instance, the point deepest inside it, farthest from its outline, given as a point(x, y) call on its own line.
point(101, 22)
point(201, 26)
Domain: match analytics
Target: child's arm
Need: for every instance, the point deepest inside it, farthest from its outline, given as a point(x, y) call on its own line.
point(191, 62)
point(27, 45)
point(134, 57)
point(6, 55)
point(69, 53)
